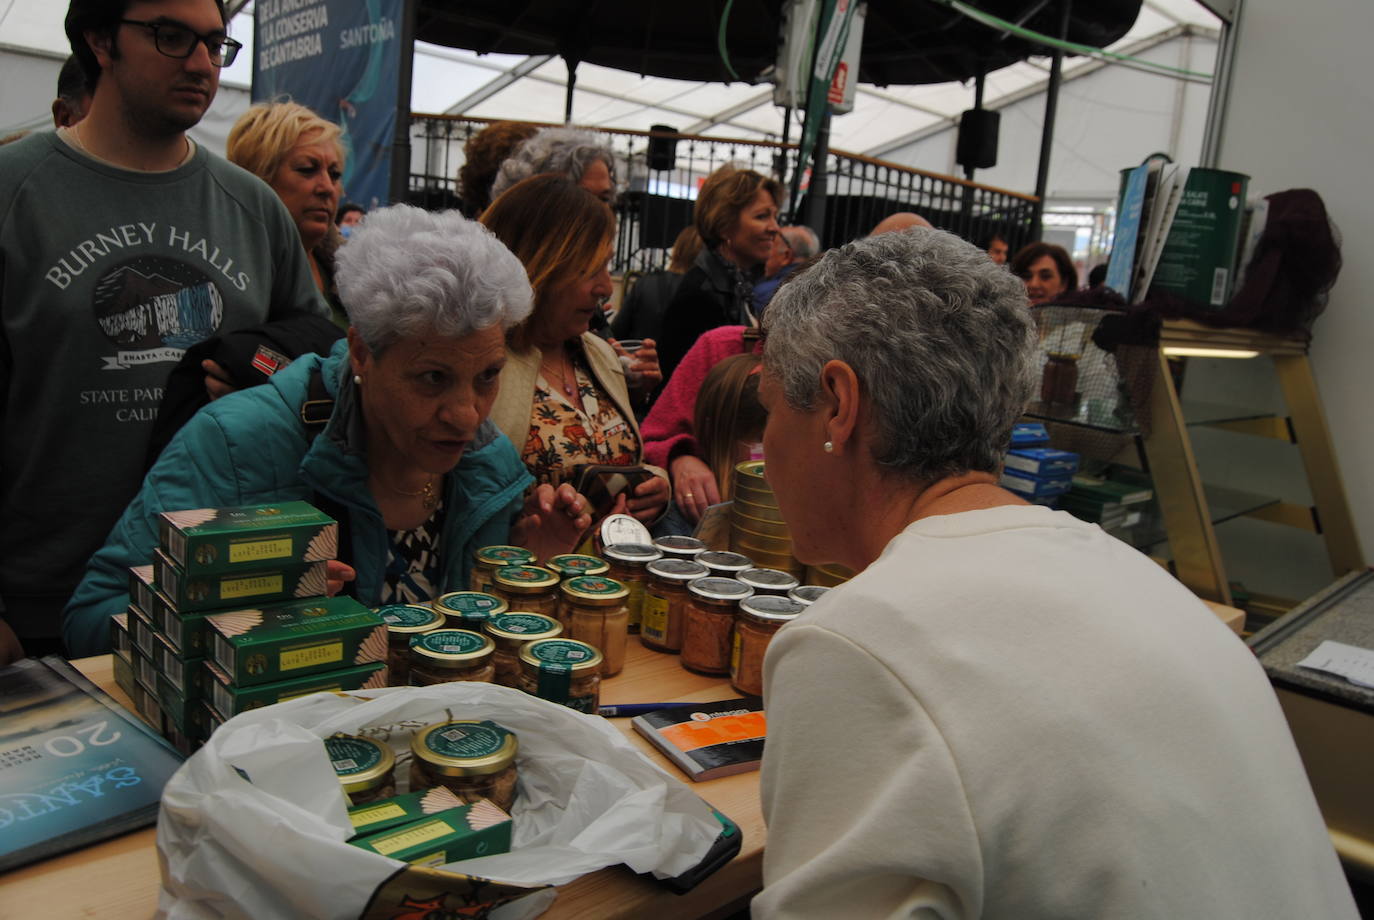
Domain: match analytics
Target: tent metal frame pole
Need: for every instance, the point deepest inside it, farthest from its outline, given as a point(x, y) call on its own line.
point(1042, 174)
point(1220, 99)
point(399, 184)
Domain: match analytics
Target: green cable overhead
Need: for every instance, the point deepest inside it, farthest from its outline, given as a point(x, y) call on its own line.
point(720, 39)
point(996, 22)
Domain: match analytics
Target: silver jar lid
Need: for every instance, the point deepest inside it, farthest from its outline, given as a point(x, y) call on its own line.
point(715, 588)
point(807, 594)
point(680, 570)
point(770, 608)
point(633, 553)
point(721, 562)
point(769, 581)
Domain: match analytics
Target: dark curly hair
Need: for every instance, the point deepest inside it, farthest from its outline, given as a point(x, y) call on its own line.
point(483, 155)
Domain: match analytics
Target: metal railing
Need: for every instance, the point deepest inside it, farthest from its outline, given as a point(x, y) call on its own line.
point(655, 204)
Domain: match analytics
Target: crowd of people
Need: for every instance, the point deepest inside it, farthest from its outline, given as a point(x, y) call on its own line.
point(1005, 713)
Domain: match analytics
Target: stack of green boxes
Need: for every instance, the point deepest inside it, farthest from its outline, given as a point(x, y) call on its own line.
point(232, 615)
point(1113, 505)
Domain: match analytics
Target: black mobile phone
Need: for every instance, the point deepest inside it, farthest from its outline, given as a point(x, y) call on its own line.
point(726, 848)
point(602, 483)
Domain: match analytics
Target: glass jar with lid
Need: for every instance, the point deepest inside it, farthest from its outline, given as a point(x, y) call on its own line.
point(769, 581)
point(628, 563)
point(365, 767)
point(403, 623)
point(679, 547)
point(529, 588)
point(469, 609)
point(759, 618)
point(665, 601)
point(562, 671)
point(807, 594)
point(490, 558)
point(571, 565)
point(471, 758)
point(723, 564)
point(446, 655)
point(594, 611)
point(511, 631)
point(709, 623)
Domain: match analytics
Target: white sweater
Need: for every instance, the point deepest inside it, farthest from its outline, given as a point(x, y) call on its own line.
point(1011, 714)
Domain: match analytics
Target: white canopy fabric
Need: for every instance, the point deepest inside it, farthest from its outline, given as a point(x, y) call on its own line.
point(907, 124)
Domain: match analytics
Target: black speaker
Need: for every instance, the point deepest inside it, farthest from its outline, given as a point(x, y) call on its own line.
point(977, 145)
point(662, 150)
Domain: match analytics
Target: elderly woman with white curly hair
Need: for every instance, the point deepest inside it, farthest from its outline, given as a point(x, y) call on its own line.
point(577, 153)
point(1006, 713)
point(389, 434)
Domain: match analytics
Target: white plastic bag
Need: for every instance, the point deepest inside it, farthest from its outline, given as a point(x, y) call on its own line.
point(273, 845)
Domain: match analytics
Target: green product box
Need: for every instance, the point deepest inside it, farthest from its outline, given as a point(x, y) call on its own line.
point(178, 710)
point(145, 669)
point(124, 674)
point(1198, 260)
point(146, 704)
point(121, 643)
point(216, 540)
point(479, 829)
point(231, 699)
point(267, 644)
point(141, 587)
point(227, 589)
point(187, 631)
point(383, 815)
point(183, 673)
point(141, 630)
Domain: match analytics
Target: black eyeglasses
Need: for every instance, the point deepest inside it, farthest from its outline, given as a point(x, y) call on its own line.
point(177, 41)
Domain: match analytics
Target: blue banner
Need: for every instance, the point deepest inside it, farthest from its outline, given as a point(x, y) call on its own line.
point(341, 58)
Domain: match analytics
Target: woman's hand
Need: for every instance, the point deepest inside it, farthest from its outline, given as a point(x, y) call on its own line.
point(694, 486)
point(553, 521)
point(336, 575)
point(650, 498)
point(643, 374)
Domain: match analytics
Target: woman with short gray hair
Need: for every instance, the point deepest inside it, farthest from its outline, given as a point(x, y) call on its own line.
point(577, 153)
point(1006, 712)
point(389, 434)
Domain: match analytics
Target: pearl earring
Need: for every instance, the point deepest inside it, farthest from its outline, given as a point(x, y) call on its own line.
point(358, 379)
point(829, 447)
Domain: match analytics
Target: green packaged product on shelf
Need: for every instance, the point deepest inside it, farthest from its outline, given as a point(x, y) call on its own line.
point(183, 672)
point(272, 643)
point(141, 587)
point(124, 674)
point(121, 643)
point(218, 590)
point(229, 699)
point(211, 540)
point(479, 829)
point(383, 815)
point(141, 630)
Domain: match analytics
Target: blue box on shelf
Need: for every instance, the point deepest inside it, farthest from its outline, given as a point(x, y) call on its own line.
point(1042, 462)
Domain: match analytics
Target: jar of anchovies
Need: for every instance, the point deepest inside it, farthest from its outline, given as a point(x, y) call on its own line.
point(446, 655)
point(469, 609)
point(760, 617)
point(571, 565)
point(512, 631)
point(628, 563)
point(679, 547)
point(769, 581)
point(490, 558)
point(665, 601)
point(527, 587)
point(709, 622)
point(807, 594)
point(562, 671)
point(403, 623)
point(473, 759)
point(724, 564)
point(365, 767)
point(594, 612)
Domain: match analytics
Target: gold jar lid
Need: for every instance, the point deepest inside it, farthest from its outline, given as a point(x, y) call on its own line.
point(470, 605)
point(716, 590)
point(595, 591)
point(465, 747)
point(640, 554)
point(494, 557)
point(770, 609)
point(407, 619)
point(525, 579)
point(361, 764)
point(514, 628)
point(560, 656)
point(451, 648)
point(679, 571)
point(571, 565)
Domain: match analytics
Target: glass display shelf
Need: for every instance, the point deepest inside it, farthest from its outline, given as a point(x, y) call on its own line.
point(1223, 503)
point(1098, 415)
point(1197, 412)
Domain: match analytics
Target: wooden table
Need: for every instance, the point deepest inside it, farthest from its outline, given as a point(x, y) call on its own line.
point(120, 878)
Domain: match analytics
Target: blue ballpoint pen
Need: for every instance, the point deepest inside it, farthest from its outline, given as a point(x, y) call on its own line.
point(637, 709)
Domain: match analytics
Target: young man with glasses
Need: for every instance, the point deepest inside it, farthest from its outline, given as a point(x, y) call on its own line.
point(122, 244)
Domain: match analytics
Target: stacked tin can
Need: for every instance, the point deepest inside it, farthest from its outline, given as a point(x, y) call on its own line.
point(757, 529)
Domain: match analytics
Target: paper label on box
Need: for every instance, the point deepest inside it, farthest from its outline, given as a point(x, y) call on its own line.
point(373, 815)
point(413, 836)
point(259, 550)
point(325, 653)
point(249, 587)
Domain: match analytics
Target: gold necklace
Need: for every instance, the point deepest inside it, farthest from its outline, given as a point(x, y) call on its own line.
point(569, 389)
point(428, 495)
